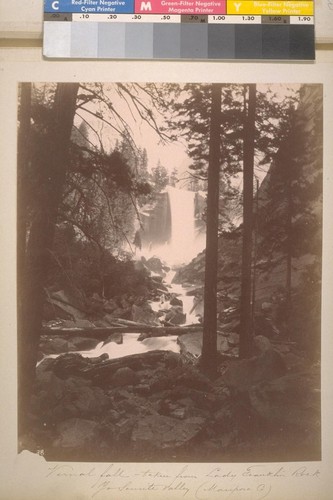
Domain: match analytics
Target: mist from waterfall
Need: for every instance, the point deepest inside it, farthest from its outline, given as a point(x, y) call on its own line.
point(185, 240)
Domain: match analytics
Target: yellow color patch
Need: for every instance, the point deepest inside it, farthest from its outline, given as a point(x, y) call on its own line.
point(270, 8)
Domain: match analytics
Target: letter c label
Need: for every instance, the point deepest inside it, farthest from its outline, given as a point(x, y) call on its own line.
point(55, 5)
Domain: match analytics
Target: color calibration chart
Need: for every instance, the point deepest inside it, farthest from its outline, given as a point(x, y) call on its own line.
point(179, 29)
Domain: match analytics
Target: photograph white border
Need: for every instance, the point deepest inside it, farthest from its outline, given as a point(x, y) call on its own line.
point(26, 475)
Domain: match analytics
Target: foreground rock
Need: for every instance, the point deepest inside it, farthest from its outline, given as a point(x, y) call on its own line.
point(298, 392)
point(191, 344)
point(159, 432)
point(243, 374)
point(157, 407)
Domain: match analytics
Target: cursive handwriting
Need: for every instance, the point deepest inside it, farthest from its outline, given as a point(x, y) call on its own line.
point(210, 482)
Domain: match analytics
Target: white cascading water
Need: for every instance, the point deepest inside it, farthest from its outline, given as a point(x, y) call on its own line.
point(129, 346)
point(184, 244)
point(185, 241)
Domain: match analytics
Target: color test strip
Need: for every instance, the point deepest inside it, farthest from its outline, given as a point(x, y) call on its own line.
point(180, 29)
point(271, 8)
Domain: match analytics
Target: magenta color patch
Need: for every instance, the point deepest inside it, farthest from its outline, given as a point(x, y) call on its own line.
point(194, 7)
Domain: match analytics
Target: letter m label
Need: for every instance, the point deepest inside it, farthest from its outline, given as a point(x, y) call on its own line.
point(145, 6)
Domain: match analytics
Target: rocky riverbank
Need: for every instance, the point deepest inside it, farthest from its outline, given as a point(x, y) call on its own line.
point(158, 406)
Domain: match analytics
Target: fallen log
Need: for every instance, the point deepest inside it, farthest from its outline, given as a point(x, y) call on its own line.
point(100, 372)
point(104, 332)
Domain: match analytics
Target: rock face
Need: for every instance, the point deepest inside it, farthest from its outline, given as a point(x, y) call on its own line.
point(159, 432)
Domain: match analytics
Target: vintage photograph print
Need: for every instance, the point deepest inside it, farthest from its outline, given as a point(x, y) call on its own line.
point(169, 271)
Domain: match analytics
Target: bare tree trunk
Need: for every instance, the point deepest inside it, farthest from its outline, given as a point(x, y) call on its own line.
point(255, 244)
point(23, 159)
point(288, 297)
point(246, 324)
point(209, 345)
point(52, 164)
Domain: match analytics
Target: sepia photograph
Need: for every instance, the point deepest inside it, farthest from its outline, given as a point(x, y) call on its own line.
point(169, 266)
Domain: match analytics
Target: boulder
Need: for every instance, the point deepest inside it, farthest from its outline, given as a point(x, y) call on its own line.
point(124, 376)
point(59, 345)
point(49, 387)
point(69, 364)
point(99, 359)
point(261, 344)
point(80, 401)
point(266, 306)
point(117, 338)
point(295, 362)
point(83, 343)
point(175, 316)
point(264, 326)
point(55, 345)
point(233, 339)
point(241, 375)
point(292, 400)
point(65, 323)
point(84, 323)
point(144, 314)
point(175, 301)
point(57, 399)
point(156, 265)
point(76, 434)
point(110, 306)
point(191, 343)
point(222, 344)
point(159, 432)
point(198, 306)
point(122, 313)
point(71, 308)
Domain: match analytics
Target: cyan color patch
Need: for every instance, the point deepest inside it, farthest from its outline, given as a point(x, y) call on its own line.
point(84, 40)
point(139, 41)
point(57, 39)
point(167, 41)
point(111, 42)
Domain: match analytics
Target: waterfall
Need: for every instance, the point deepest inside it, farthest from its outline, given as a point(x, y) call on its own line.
point(186, 241)
point(182, 239)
